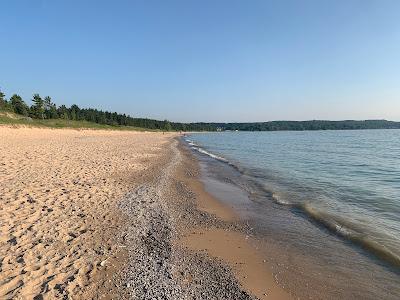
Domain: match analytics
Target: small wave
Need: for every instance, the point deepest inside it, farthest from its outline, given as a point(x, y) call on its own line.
point(347, 230)
point(196, 147)
point(344, 229)
point(191, 142)
point(201, 150)
point(281, 201)
point(335, 224)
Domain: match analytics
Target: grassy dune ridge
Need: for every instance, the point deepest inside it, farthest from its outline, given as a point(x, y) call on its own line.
point(10, 118)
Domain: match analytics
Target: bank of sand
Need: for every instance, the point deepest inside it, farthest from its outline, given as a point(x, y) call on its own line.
point(117, 215)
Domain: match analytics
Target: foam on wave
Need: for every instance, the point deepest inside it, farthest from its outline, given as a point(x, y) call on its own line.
point(201, 150)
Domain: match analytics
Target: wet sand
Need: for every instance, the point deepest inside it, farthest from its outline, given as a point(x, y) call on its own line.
point(231, 245)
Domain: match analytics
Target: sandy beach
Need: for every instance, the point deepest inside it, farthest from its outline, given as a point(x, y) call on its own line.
point(90, 214)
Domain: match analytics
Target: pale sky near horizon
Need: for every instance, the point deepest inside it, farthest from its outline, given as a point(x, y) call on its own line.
point(218, 60)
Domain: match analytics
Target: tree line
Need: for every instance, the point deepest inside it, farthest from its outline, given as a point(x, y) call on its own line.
point(309, 125)
point(45, 108)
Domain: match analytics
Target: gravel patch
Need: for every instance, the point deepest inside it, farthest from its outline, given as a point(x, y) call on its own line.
point(158, 269)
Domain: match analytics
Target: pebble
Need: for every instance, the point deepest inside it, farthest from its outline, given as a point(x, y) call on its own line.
point(156, 268)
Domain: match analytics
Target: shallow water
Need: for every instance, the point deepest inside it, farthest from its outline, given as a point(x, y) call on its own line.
point(331, 199)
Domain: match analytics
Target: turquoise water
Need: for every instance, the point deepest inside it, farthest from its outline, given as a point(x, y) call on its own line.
point(345, 181)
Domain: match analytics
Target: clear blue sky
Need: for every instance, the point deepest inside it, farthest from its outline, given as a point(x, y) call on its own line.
point(207, 60)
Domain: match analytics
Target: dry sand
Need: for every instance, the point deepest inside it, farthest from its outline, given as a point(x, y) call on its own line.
point(58, 195)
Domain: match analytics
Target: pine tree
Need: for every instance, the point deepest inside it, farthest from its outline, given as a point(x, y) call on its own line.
point(63, 112)
point(38, 106)
point(53, 111)
point(3, 101)
point(167, 126)
point(18, 105)
point(50, 108)
point(47, 106)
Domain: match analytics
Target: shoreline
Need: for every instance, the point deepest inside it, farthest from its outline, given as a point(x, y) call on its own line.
point(252, 271)
point(118, 215)
point(170, 254)
point(306, 257)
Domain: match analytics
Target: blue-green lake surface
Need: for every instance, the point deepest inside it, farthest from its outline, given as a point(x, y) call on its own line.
point(345, 184)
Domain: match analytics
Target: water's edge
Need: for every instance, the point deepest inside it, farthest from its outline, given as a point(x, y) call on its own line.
point(340, 228)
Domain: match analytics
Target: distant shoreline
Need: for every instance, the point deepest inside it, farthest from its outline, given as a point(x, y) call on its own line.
point(66, 121)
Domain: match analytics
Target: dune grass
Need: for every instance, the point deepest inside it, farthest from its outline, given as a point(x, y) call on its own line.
point(9, 118)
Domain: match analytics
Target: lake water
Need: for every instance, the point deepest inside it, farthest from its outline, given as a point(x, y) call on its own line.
point(331, 198)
